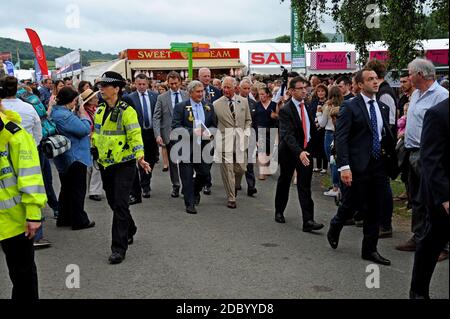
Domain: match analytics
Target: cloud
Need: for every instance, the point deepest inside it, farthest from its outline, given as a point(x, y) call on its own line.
point(111, 26)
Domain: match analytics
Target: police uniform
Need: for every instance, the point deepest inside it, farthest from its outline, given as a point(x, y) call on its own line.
point(22, 195)
point(118, 143)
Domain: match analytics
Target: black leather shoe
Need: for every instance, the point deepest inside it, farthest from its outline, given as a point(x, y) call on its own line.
point(279, 218)
point(134, 200)
point(191, 210)
point(231, 205)
point(251, 192)
point(131, 236)
point(97, 198)
point(311, 225)
point(333, 236)
point(175, 193)
point(207, 190)
point(197, 199)
point(89, 225)
point(376, 258)
point(146, 194)
point(116, 258)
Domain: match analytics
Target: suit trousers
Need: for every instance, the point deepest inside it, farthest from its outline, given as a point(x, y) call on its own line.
point(117, 184)
point(72, 196)
point(429, 246)
point(151, 155)
point(232, 174)
point(304, 176)
point(419, 210)
point(192, 186)
point(367, 194)
point(250, 176)
point(173, 169)
point(19, 253)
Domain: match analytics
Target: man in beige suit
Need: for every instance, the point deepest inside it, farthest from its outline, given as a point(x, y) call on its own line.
point(234, 128)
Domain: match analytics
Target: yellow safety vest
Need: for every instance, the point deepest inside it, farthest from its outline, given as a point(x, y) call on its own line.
point(119, 138)
point(22, 191)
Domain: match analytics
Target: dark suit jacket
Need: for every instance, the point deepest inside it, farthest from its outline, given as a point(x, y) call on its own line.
point(180, 119)
point(434, 148)
point(214, 94)
point(354, 136)
point(135, 97)
point(291, 132)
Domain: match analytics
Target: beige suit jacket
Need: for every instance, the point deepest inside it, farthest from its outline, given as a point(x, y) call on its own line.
point(233, 133)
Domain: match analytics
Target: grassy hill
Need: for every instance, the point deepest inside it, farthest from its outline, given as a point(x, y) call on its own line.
point(27, 55)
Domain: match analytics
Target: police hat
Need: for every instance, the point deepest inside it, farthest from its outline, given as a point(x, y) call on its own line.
point(112, 78)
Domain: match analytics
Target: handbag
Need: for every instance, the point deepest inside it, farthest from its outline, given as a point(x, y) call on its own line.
point(55, 145)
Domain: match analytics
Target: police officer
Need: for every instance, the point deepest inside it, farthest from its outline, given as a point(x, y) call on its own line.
point(117, 144)
point(22, 195)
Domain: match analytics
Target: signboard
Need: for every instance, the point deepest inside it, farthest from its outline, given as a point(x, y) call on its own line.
point(438, 57)
point(270, 58)
point(166, 54)
point(68, 59)
point(297, 44)
point(333, 60)
point(379, 55)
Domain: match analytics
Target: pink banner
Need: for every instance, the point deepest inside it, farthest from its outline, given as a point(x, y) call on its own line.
point(332, 60)
point(379, 55)
point(438, 57)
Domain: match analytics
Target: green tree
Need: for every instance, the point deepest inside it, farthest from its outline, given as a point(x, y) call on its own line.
point(401, 24)
point(283, 39)
point(309, 37)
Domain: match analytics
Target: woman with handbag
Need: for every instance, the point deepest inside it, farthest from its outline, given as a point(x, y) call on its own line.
point(73, 163)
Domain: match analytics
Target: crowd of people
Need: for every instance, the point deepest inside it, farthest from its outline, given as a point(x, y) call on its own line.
point(356, 128)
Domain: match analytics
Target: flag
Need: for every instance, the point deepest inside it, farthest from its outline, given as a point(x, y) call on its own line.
point(68, 59)
point(37, 70)
point(38, 51)
point(9, 68)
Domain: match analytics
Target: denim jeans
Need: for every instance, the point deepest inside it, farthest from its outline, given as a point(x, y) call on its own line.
point(329, 137)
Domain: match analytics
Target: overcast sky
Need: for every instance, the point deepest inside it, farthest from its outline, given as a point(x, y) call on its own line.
point(111, 26)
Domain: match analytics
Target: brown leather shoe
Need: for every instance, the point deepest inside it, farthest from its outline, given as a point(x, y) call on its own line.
point(443, 256)
point(231, 205)
point(409, 245)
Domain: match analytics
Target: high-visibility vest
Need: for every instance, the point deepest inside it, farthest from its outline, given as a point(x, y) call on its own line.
point(22, 191)
point(119, 138)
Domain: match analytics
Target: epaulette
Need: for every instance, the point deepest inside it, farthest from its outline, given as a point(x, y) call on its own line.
point(13, 128)
point(123, 105)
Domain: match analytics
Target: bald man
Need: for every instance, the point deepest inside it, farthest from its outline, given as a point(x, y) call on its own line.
point(234, 123)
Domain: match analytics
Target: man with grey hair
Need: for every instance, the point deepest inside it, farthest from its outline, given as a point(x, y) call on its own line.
point(210, 95)
point(234, 123)
point(428, 93)
point(197, 118)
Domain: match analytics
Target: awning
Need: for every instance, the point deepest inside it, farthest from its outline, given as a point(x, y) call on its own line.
point(183, 64)
point(326, 72)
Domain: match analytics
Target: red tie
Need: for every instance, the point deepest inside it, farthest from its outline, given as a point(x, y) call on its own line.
point(305, 141)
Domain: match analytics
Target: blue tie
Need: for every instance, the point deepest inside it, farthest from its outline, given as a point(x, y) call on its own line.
point(145, 110)
point(376, 146)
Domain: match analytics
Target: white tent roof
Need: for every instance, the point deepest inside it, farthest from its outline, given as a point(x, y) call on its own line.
point(246, 48)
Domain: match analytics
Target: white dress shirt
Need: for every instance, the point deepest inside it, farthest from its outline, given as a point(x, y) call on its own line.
point(377, 111)
point(149, 107)
point(308, 124)
point(30, 119)
point(172, 97)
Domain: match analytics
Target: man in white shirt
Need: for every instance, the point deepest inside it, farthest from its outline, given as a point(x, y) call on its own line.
point(30, 119)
